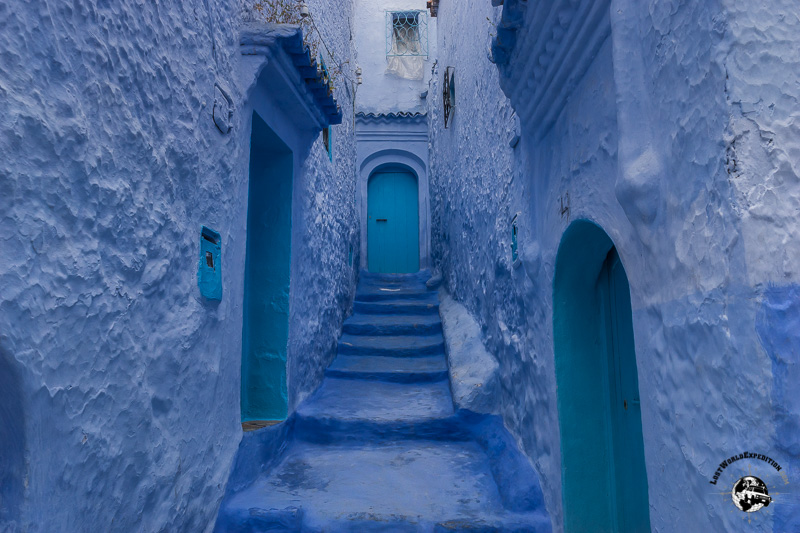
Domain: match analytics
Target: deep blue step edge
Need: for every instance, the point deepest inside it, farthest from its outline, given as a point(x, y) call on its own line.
point(389, 377)
point(388, 294)
point(516, 479)
point(396, 307)
point(529, 524)
point(421, 277)
point(379, 327)
point(390, 349)
point(259, 451)
point(324, 430)
point(255, 520)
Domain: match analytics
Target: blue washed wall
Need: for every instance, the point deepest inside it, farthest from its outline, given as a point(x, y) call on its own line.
point(671, 78)
point(128, 379)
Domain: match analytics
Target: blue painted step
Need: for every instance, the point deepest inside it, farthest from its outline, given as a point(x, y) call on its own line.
point(389, 294)
point(367, 410)
point(367, 278)
point(397, 307)
point(409, 486)
point(392, 346)
point(379, 446)
point(360, 324)
point(394, 369)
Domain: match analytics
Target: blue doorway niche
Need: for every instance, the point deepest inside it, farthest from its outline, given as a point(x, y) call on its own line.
point(13, 468)
point(265, 333)
point(604, 480)
point(393, 221)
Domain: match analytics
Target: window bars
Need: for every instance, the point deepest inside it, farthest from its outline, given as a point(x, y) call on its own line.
point(406, 33)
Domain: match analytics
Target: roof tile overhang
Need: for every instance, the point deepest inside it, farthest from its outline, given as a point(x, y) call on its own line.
point(406, 116)
point(542, 50)
point(282, 44)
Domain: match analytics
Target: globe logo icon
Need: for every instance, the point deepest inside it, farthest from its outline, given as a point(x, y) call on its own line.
point(750, 494)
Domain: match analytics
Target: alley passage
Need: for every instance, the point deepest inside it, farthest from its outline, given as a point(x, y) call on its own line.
point(380, 447)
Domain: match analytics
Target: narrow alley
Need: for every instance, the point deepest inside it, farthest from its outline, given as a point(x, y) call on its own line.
point(399, 265)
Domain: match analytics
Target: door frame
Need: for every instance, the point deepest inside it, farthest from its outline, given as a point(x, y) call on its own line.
point(397, 159)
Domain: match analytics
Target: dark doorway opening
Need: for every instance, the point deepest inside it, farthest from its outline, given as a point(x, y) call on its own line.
point(267, 276)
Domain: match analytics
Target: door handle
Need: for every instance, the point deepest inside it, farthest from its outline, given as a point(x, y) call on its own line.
point(625, 403)
point(381, 220)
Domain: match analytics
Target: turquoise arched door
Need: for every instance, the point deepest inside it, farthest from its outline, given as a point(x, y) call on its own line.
point(604, 475)
point(393, 222)
point(625, 413)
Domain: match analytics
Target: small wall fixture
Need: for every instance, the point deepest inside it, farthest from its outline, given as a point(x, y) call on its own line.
point(358, 75)
point(222, 113)
point(209, 270)
point(449, 94)
point(514, 243)
point(304, 10)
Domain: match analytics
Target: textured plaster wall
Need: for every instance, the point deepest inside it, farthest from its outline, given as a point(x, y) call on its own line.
point(691, 77)
point(761, 58)
point(383, 92)
point(128, 379)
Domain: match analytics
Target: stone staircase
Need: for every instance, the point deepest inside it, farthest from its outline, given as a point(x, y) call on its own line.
point(380, 445)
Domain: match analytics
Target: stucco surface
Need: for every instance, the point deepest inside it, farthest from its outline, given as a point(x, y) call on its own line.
point(761, 58)
point(642, 147)
point(473, 370)
point(128, 379)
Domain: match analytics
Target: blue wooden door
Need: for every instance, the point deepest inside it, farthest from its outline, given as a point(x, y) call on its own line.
point(630, 478)
point(392, 222)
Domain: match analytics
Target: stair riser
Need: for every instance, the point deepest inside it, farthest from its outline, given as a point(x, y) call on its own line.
point(418, 351)
point(399, 329)
point(281, 521)
point(388, 296)
point(378, 308)
point(331, 431)
point(374, 277)
point(262, 520)
point(390, 377)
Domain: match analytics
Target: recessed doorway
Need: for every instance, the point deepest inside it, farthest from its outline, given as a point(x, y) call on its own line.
point(267, 271)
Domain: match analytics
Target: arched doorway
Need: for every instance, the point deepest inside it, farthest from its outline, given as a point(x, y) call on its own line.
point(604, 481)
point(393, 221)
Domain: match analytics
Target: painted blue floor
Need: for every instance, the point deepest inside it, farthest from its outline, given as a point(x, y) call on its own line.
point(379, 446)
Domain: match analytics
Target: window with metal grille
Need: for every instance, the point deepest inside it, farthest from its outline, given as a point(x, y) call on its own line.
point(406, 33)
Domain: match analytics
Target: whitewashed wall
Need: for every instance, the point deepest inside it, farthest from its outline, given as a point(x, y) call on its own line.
point(383, 92)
